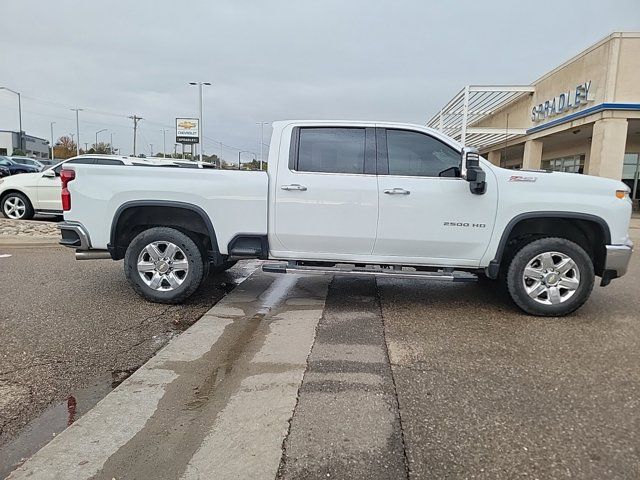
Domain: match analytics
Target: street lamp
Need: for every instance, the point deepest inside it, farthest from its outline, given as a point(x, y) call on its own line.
point(77, 110)
point(200, 84)
point(95, 150)
point(19, 115)
point(244, 151)
point(52, 154)
point(111, 142)
point(262, 124)
point(164, 143)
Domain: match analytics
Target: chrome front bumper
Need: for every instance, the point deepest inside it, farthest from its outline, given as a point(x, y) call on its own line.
point(617, 261)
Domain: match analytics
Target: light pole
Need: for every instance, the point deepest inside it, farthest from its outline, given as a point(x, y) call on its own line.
point(151, 148)
point(111, 142)
point(262, 124)
point(52, 154)
point(241, 152)
point(77, 110)
point(19, 114)
point(164, 143)
point(201, 126)
point(95, 150)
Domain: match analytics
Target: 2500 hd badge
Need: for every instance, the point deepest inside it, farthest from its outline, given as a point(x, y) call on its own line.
point(465, 224)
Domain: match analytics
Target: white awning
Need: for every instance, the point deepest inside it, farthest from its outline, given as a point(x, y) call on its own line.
point(471, 105)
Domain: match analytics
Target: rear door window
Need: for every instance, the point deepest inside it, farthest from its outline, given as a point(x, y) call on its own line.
point(108, 161)
point(76, 161)
point(331, 150)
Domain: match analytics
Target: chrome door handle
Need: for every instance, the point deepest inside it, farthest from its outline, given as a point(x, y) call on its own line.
point(397, 191)
point(294, 186)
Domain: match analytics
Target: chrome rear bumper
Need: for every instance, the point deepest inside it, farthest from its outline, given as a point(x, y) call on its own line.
point(74, 235)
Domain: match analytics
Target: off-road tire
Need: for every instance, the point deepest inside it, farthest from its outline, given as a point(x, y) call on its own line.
point(515, 283)
point(194, 276)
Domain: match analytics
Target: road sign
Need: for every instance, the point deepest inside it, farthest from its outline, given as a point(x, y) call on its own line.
point(187, 130)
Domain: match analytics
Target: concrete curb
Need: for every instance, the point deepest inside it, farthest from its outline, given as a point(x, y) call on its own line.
point(263, 401)
point(19, 241)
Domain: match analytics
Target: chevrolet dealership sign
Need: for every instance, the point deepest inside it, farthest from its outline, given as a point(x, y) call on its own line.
point(562, 103)
point(187, 130)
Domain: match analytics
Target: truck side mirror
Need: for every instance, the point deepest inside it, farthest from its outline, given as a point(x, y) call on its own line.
point(472, 172)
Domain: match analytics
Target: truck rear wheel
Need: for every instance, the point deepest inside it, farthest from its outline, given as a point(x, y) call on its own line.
point(164, 265)
point(550, 277)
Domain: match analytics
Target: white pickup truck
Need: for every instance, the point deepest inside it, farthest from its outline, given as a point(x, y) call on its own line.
point(356, 198)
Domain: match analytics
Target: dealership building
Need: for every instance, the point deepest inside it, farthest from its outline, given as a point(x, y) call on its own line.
point(581, 117)
point(34, 147)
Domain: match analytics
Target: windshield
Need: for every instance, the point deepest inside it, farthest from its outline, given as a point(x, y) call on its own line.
point(6, 161)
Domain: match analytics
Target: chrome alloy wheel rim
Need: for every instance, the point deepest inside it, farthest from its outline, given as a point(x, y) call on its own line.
point(163, 266)
point(14, 207)
point(551, 278)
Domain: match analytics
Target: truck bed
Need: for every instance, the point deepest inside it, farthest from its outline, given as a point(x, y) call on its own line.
point(235, 201)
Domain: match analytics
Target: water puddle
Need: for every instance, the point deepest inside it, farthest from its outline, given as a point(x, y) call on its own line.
point(51, 422)
point(59, 416)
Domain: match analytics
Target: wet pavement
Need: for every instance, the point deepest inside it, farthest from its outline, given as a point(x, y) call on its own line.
point(486, 391)
point(70, 332)
point(347, 424)
point(215, 403)
point(309, 377)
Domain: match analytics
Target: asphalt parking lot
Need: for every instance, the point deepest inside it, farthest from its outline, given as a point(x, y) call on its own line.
point(485, 391)
point(403, 379)
point(70, 332)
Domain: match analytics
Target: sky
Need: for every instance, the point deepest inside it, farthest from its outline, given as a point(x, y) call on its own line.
point(392, 60)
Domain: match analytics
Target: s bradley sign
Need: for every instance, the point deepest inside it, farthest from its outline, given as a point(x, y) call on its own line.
point(187, 130)
point(565, 101)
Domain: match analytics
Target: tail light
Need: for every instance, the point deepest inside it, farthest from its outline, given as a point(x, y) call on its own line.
point(66, 176)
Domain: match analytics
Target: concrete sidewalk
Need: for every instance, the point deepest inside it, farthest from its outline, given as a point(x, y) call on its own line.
point(215, 403)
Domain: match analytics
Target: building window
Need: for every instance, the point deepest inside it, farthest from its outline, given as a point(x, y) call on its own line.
point(631, 172)
point(571, 164)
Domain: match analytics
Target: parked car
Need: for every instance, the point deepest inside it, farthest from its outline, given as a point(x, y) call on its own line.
point(22, 196)
point(4, 171)
point(15, 167)
point(356, 198)
point(29, 161)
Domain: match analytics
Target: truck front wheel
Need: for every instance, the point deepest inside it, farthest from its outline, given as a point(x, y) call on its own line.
point(550, 277)
point(164, 265)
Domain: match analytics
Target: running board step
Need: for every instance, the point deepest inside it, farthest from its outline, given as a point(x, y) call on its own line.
point(346, 269)
point(245, 252)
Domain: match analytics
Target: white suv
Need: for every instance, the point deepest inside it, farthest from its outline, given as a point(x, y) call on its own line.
point(22, 196)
